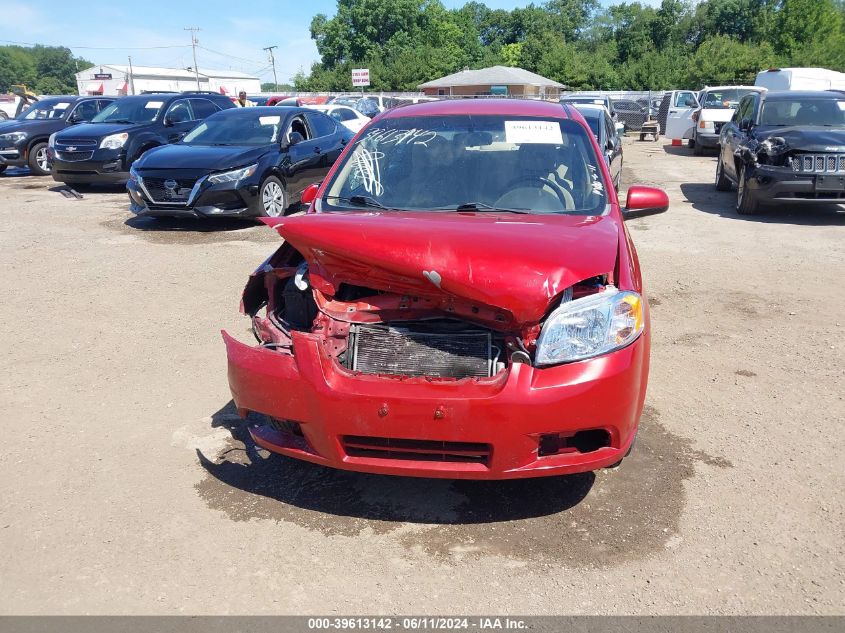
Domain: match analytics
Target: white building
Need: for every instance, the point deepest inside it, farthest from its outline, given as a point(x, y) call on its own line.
point(117, 79)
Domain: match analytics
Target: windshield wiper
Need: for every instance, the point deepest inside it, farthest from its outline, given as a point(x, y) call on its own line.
point(118, 121)
point(483, 206)
point(361, 201)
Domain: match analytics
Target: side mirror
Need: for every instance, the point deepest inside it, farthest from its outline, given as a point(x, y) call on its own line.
point(644, 201)
point(309, 193)
point(745, 124)
point(294, 138)
point(74, 118)
point(168, 122)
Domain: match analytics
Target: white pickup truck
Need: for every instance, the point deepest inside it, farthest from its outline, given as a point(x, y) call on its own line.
point(718, 104)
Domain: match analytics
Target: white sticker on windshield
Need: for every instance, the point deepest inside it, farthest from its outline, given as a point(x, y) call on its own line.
point(841, 105)
point(269, 120)
point(154, 105)
point(60, 106)
point(533, 132)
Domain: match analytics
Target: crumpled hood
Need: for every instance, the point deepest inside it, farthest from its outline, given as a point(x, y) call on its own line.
point(201, 158)
point(517, 263)
point(809, 139)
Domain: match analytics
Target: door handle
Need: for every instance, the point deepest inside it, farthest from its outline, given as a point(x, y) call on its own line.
point(316, 150)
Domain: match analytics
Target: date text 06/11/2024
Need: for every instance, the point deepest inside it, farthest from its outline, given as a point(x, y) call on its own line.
point(416, 623)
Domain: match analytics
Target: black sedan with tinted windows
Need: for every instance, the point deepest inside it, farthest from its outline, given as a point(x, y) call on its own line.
point(245, 162)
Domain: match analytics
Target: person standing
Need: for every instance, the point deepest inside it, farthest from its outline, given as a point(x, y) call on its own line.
point(242, 101)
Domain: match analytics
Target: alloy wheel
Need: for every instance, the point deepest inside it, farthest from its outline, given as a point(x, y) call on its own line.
point(273, 199)
point(41, 159)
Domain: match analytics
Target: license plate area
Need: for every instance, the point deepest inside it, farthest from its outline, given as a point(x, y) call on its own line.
point(830, 183)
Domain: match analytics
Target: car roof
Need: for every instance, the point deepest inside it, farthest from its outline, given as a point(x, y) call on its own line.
point(755, 88)
point(590, 108)
point(506, 107)
point(265, 110)
point(784, 95)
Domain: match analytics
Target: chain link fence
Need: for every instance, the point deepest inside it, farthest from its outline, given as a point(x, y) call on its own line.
point(633, 108)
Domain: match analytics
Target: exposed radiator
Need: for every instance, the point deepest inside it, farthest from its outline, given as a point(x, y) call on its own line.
point(421, 349)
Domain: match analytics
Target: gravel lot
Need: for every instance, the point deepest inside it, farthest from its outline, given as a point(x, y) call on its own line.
point(128, 487)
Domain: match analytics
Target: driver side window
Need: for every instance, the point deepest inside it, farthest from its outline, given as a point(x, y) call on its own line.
point(298, 125)
point(179, 112)
point(85, 111)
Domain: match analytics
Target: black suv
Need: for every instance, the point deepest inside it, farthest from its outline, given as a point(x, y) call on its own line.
point(23, 140)
point(784, 147)
point(104, 150)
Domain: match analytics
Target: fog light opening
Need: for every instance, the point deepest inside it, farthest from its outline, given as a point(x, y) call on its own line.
point(285, 426)
point(580, 442)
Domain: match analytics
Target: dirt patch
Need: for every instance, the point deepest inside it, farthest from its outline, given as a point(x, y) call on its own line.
point(591, 519)
point(745, 372)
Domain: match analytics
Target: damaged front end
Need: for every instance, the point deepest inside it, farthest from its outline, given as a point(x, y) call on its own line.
point(367, 366)
point(794, 168)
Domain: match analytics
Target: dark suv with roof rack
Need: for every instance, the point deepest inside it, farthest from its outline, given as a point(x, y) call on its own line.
point(23, 140)
point(104, 150)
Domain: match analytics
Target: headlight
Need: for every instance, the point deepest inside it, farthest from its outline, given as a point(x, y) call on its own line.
point(590, 326)
point(234, 175)
point(114, 141)
point(51, 142)
point(13, 137)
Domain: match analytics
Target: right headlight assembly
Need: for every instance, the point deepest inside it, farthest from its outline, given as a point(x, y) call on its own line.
point(590, 326)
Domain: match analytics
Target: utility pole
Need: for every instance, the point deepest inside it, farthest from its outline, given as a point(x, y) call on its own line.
point(131, 77)
point(269, 49)
point(194, 42)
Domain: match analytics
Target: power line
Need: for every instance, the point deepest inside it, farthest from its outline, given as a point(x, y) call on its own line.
point(240, 59)
point(98, 48)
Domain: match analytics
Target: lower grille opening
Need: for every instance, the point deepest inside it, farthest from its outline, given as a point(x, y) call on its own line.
point(580, 442)
point(441, 348)
point(416, 450)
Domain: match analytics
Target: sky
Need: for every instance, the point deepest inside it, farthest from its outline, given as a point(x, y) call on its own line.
point(232, 33)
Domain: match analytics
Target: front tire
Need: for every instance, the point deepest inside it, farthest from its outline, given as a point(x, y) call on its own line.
point(272, 198)
point(722, 182)
point(746, 202)
point(37, 160)
point(697, 149)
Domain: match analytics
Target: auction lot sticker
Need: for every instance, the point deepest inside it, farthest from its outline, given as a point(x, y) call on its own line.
point(533, 132)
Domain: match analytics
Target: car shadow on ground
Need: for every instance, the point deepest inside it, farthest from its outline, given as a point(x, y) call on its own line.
point(704, 197)
point(678, 150)
point(246, 467)
point(194, 225)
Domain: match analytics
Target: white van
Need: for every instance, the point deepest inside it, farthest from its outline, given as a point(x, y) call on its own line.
point(800, 79)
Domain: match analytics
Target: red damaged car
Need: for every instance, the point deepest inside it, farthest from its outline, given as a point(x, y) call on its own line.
point(461, 300)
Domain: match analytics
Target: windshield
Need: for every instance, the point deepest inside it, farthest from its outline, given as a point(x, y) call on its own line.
point(728, 98)
point(237, 129)
point(805, 112)
point(473, 163)
point(129, 110)
point(592, 119)
point(45, 109)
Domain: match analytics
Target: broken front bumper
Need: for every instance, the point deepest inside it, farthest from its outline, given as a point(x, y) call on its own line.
point(350, 421)
point(780, 184)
